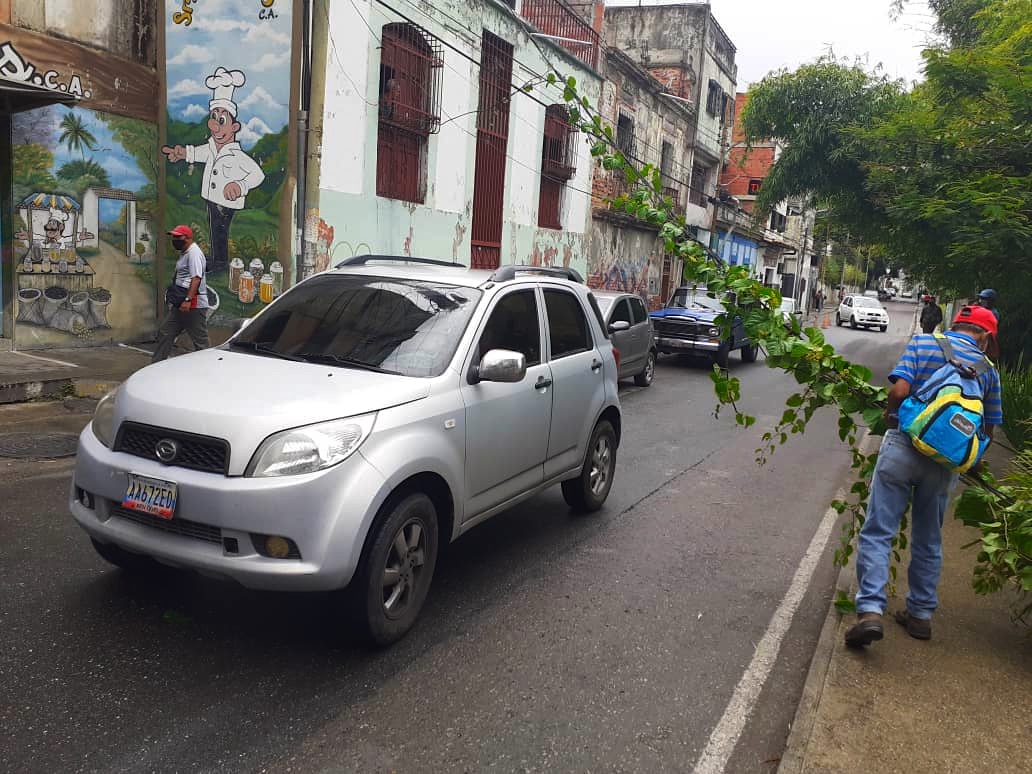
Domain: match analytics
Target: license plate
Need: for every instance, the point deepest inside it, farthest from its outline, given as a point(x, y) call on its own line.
point(151, 495)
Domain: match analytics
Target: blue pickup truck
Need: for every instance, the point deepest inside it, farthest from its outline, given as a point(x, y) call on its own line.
point(687, 326)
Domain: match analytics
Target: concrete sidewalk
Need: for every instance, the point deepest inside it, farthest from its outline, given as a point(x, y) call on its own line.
point(86, 372)
point(961, 702)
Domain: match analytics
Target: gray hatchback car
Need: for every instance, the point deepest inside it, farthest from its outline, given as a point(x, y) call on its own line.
point(630, 327)
point(364, 417)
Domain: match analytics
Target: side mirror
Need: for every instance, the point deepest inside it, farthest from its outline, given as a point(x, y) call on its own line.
point(619, 325)
point(240, 323)
point(501, 365)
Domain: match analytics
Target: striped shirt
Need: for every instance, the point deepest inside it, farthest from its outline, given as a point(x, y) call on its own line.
point(923, 357)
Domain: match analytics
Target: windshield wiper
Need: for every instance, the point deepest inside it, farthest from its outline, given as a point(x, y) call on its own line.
point(347, 362)
point(264, 349)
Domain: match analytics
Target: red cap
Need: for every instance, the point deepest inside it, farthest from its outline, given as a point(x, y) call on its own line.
point(182, 231)
point(977, 315)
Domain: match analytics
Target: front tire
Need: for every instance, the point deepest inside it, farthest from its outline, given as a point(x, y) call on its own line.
point(852, 323)
point(838, 320)
point(883, 328)
point(396, 572)
point(749, 353)
point(720, 357)
point(588, 492)
point(122, 559)
point(648, 373)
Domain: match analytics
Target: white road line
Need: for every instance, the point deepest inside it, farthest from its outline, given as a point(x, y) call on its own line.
point(725, 736)
point(44, 359)
point(135, 349)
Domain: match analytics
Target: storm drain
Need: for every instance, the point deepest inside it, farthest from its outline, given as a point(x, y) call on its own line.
point(38, 446)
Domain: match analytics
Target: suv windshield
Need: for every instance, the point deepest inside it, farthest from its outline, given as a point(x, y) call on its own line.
point(407, 327)
point(690, 298)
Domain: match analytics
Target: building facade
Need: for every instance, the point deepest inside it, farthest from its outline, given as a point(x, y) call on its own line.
point(649, 127)
point(686, 50)
point(441, 138)
point(79, 171)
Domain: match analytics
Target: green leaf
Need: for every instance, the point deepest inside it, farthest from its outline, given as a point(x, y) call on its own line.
point(843, 604)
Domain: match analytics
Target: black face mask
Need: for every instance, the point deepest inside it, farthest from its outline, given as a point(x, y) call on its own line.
point(179, 244)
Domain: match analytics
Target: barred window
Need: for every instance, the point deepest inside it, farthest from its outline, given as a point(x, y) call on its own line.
point(558, 164)
point(714, 98)
point(411, 63)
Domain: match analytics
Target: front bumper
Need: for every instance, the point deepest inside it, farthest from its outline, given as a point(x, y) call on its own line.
point(674, 345)
point(326, 514)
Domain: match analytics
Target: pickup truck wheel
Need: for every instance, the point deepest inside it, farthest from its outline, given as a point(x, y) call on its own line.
point(588, 492)
point(883, 328)
point(749, 353)
point(644, 379)
point(720, 357)
point(398, 567)
point(125, 560)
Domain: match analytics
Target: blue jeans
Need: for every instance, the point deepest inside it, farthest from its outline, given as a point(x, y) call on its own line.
point(901, 473)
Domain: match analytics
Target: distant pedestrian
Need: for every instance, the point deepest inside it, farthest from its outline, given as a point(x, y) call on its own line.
point(186, 297)
point(931, 315)
point(987, 298)
point(820, 300)
point(904, 476)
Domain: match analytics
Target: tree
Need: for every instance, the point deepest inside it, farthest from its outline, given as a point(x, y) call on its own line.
point(80, 174)
point(31, 165)
point(75, 135)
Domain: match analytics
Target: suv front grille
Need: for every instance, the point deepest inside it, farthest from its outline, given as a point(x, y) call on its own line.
point(197, 452)
point(173, 526)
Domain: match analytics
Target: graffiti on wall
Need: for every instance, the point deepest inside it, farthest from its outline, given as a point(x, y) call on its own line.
point(85, 193)
point(228, 76)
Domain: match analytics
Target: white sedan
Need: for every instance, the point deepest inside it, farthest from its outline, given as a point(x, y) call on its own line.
point(862, 312)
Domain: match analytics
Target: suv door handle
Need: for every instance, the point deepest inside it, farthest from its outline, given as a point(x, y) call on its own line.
point(596, 364)
point(542, 383)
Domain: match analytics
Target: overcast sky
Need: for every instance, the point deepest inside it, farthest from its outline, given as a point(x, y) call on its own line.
point(770, 35)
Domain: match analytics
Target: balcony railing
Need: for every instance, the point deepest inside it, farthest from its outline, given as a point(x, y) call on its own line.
point(557, 20)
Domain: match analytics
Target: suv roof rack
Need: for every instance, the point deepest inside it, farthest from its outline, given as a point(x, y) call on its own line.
point(362, 260)
point(506, 273)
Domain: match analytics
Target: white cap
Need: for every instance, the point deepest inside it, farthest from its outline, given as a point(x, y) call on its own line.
point(222, 83)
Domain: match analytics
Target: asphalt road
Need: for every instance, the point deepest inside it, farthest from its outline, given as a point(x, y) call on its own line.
point(549, 643)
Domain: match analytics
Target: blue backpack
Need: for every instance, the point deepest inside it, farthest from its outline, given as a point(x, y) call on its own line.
point(944, 417)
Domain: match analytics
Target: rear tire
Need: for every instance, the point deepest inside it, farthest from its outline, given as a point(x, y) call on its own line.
point(644, 379)
point(749, 353)
point(398, 567)
point(720, 357)
point(588, 492)
point(124, 560)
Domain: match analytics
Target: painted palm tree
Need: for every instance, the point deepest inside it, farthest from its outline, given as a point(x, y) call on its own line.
point(75, 135)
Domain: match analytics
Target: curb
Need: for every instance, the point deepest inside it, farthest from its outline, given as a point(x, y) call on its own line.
point(801, 729)
point(64, 387)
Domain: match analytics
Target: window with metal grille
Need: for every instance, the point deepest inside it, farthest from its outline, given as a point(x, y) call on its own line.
point(697, 193)
point(558, 164)
point(411, 63)
point(625, 135)
point(714, 98)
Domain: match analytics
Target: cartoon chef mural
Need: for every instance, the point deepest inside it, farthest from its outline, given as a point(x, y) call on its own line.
point(229, 173)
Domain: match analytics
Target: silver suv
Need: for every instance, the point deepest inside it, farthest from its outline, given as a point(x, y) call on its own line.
point(360, 419)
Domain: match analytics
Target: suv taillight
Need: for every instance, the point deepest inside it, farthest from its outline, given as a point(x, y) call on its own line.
point(616, 356)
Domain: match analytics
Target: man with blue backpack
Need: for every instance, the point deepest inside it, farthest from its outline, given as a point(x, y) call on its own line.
point(942, 409)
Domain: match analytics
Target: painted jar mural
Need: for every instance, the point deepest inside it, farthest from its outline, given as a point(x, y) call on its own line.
point(85, 195)
point(228, 76)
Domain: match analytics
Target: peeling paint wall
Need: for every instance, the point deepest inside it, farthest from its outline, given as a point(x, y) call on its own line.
point(440, 227)
point(125, 28)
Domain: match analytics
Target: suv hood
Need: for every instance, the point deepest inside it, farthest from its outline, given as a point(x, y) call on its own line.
point(676, 312)
point(244, 398)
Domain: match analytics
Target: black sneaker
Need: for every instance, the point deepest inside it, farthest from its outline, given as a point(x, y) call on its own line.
point(918, 628)
point(868, 629)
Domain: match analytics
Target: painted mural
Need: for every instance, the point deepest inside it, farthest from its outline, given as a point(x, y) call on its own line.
point(228, 76)
point(85, 195)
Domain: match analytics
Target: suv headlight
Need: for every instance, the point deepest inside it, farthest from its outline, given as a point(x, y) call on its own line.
point(311, 448)
point(103, 423)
